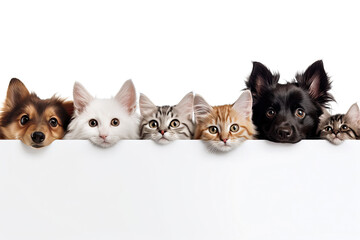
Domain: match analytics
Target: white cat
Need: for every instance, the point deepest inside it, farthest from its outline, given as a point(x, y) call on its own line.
point(104, 121)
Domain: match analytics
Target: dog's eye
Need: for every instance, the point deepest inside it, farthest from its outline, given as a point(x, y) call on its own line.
point(328, 129)
point(53, 122)
point(344, 127)
point(115, 122)
point(175, 123)
point(24, 119)
point(93, 123)
point(300, 113)
point(234, 128)
point(153, 124)
point(213, 130)
point(270, 113)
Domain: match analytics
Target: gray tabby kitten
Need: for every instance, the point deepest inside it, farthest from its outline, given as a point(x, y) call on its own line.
point(167, 123)
point(340, 127)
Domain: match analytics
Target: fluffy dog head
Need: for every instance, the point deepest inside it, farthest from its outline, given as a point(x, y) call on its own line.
point(288, 112)
point(34, 121)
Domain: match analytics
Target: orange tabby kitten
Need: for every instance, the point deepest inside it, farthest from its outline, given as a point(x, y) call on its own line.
point(224, 127)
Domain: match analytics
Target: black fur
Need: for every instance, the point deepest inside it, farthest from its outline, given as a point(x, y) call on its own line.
point(307, 93)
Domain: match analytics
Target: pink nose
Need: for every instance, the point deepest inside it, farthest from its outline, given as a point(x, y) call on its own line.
point(103, 136)
point(162, 132)
point(224, 140)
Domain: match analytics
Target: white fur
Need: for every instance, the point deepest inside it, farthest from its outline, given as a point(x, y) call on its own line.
point(103, 111)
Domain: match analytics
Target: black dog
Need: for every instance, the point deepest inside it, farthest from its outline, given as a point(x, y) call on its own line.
point(288, 112)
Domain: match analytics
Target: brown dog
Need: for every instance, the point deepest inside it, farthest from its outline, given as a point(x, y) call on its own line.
point(37, 122)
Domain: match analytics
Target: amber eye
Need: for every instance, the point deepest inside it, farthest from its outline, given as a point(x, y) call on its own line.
point(53, 122)
point(344, 127)
point(93, 123)
point(328, 129)
point(24, 119)
point(234, 128)
point(300, 113)
point(153, 124)
point(175, 123)
point(115, 122)
point(270, 113)
point(213, 130)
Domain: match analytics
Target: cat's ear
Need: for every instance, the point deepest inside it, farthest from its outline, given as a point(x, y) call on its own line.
point(316, 82)
point(325, 115)
point(201, 107)
point(146, 106)
point(81, 97)
point(127, 96)
point(261, 79)
point(16, 93)
point(186, 105)
point(354, 113)
point(243, 105)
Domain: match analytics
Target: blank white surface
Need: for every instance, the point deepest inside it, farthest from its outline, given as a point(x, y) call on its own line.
point(139, 190)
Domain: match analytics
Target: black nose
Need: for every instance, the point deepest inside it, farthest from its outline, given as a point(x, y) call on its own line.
point(38, 137)
point(285, 132)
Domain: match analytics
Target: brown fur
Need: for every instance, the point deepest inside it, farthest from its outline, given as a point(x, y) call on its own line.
point(19, 102)
point(224, 116)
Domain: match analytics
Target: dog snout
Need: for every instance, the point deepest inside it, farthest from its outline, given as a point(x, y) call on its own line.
point(38, 137)
point(285, 132)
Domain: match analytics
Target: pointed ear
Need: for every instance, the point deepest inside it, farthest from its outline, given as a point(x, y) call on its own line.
point(353, 113)
point(127, 96)
point(201, 107)
point(146, 106)
point(316, 82)
point(81, 97)
point(244, 105)
point(261, 79)
point(186, 105)
point(325, 115)
point(16, 93)
point(69, 107)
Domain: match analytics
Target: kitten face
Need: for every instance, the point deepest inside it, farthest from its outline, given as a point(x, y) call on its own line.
point(340, 127)
point(104, 121)
point(164, 124)
point(224, 127)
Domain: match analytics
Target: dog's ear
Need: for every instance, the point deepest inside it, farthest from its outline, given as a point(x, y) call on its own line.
point(69, 107)
point(261, 79)
point(16, 93)
point(316, 82)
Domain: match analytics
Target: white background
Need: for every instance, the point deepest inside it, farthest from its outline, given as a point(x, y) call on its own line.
point(170, 48)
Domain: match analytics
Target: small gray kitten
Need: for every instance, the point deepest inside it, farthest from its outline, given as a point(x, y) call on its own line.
point(340, 127)
point(167, 123)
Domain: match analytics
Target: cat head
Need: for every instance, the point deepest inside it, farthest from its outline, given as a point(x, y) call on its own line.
point(164, 124)
point(340, 127)
point(104, 121)
point(224, 127)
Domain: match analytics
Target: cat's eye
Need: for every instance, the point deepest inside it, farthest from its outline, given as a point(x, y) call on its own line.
point(300, 113)
point(115, 122)
point(174, 123)
point(153, 124)
point(93, 123)
point(24, 119)
point(213, 130)
point(53, 122)
point(234, 128)
point(270, 113)
point(344, 127)
point(328, 128)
